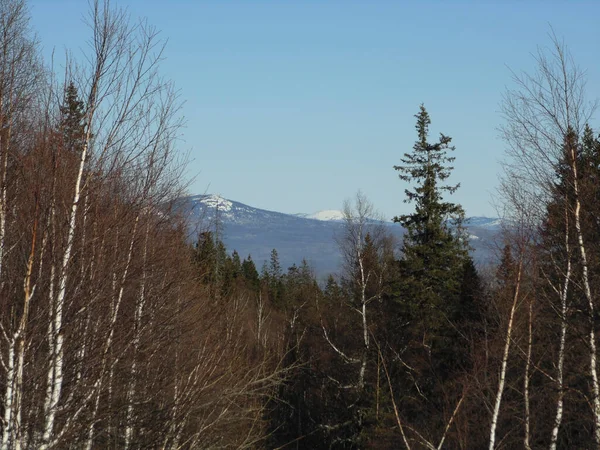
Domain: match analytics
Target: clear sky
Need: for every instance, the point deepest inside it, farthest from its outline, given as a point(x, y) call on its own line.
point(293, 106)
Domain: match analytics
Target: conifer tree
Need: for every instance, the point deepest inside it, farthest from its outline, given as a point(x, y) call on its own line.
point(431, 289)
point(205, 257)
point(72, 119)
point(275, 278)
point(434, 247)
point(250, 273)
point(236, 261)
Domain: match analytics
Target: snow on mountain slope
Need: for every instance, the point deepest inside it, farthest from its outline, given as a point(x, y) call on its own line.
point(205, 208)
point(216, 201)
point(328, 214)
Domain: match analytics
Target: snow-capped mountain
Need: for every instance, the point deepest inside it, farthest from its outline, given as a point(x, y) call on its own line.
point(202, 208)
point(254, 231)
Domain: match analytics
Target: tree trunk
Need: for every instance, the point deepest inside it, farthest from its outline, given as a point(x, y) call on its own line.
point(502, 380)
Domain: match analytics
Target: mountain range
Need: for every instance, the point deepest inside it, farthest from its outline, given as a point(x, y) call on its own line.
point(253, 231)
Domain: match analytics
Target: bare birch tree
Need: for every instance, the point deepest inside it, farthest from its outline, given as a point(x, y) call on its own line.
point(366, 250)
point(104, 341)
point(545, 117)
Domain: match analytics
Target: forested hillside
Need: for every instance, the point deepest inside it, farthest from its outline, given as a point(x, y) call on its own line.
point(117, 333)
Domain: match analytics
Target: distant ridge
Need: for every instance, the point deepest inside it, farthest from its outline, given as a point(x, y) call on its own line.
point(257, 231)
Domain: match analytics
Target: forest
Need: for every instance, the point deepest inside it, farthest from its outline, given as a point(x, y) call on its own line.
point(119, 331)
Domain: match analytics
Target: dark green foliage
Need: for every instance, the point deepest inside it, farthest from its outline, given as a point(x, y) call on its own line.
point(558, 246)
point(231, 276)
point(250, 273)
point(72, 125)
point(216, 270)
point(274, 279)
point(425, 317)
point(437, 289)
point(274, 266)
point(333, 293)
point(427, 166)
point(434, 250)
point(236, 262)
point(506, 271)
point(205, 256)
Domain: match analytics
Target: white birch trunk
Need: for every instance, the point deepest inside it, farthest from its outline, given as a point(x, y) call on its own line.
point(4, 150)
point(590, 299)
point(18, 395)
point(108, 343)
point(51, 344)
point(28, 294)
point(563, 336)
point(363, 365)
point(131, 391)
point(11, 437)
point(90, 434)
point(55, 371)
point(3, 200)
point(9, 396)
point(502, 380)
point(526, 443)
point(9, 389)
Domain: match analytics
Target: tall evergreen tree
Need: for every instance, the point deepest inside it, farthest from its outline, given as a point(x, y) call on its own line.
point(432, 285)
point(434, 248)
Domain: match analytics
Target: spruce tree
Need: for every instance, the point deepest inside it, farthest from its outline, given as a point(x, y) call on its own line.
point(434, 247)
point(429, 291)
point(236, 261)
point(72, 122)
point(275, 278)
point(274, 269)
point(205, 256)
point(250, 274)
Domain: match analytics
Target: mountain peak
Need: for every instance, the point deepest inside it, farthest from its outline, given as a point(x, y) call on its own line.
point(217, 202)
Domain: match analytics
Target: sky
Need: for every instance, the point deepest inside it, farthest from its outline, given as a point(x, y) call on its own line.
point(294, 106)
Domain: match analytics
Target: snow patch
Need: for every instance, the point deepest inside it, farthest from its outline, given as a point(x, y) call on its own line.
point(327, 215)
point(217, 202)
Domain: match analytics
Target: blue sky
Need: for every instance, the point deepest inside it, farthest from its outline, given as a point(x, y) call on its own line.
point(295, 105)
